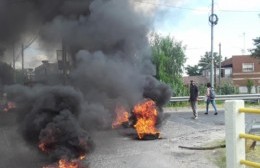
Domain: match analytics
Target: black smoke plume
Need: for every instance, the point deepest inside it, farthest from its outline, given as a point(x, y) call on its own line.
point(48, 117)
point(109, 46)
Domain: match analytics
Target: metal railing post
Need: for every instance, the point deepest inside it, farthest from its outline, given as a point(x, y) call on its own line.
point(235, 124)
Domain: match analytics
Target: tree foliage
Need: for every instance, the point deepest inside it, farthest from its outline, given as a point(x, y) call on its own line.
point(193, 70)
point(256, 51)
point(205, 61)
point(249, 85)
point(227, 88)
point(169, 59)
point(202, 89)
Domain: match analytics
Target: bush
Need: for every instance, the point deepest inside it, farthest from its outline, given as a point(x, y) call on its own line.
point(226, 89)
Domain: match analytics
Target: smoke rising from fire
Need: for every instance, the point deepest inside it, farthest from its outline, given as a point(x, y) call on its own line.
point(106, 81)
point(107, 25)
point(48, 116)
point(108, 42)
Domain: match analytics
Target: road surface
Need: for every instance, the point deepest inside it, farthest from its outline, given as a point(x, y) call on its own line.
point(120, 148)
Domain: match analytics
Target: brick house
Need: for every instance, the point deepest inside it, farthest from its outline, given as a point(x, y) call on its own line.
point(238, 70)
point(241, 68)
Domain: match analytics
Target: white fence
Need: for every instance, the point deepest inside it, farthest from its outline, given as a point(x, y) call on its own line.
point(235, 134)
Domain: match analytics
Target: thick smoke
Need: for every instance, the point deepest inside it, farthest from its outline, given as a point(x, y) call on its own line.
point(19, 17)
point(109, 46)
point(49, 115)
point(106, 81)
point(107, 25)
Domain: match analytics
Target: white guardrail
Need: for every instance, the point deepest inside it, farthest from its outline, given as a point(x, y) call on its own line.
point(221, 97)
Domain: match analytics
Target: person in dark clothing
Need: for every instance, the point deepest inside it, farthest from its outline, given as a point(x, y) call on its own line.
point(194, 93)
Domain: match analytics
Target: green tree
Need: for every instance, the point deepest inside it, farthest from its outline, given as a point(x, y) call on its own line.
point(227, 88)
point(249, 85)
point(202, 89)
point(193, 70)
point(205, 61)
point(256, 51)
point(169, 59)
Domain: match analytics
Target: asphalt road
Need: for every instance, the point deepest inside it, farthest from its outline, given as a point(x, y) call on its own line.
point(123, 151)
point(120, 148)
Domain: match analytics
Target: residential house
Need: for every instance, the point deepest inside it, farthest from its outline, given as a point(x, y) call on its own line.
point(241, 68)
point(238, 69)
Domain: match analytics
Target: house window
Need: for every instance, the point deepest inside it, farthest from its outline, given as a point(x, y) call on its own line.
point(248, 67)
point(227, 72)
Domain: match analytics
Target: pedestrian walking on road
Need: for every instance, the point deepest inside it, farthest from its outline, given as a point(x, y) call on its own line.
point(194, 93)
point(210, 94)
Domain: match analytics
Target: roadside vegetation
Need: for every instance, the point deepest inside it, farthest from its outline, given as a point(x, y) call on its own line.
point(219, 154)
point(169, 58)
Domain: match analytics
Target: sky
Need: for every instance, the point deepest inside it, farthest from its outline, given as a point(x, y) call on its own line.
point(187, 21)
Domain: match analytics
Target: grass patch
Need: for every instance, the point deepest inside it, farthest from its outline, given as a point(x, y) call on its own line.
point(253, 155)
point(218, 156)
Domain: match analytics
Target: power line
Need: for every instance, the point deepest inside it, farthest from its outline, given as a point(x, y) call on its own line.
point(192, 9)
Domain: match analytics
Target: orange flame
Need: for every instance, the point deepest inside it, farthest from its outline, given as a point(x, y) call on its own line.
point(64, 163)
point(46, 145)
point(42, 147)
point(68, 164)
point(146, 115)
point(9, 106)
point(122, 116)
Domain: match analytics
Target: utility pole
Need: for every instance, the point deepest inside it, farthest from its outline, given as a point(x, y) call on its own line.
point(14, 63)
point(244, 44)
point(219, 76)
point(64, 61)
point(22, 53)
point(213, 19)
